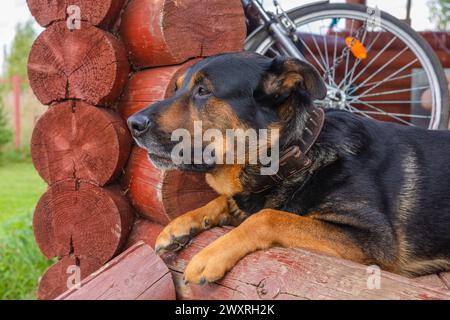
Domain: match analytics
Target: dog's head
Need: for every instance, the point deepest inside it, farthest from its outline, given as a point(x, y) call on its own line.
point(229, 91)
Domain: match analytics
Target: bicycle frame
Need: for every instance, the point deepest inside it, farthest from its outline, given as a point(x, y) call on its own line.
point(257, 14)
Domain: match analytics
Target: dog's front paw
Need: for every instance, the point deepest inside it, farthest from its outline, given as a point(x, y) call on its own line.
point(177, 234)
point(206, 266)
point(214, 261)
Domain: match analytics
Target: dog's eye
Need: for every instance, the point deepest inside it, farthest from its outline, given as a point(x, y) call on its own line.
point(203, 92)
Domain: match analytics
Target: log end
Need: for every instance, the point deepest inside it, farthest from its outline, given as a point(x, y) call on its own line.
point(88, 64)
point(100, 13)
point(80, 219)
point(74, 140)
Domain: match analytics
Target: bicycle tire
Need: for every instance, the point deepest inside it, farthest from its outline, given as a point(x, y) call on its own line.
point(258, 36)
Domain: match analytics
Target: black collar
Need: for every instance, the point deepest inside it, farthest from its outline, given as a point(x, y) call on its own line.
point(294, 159)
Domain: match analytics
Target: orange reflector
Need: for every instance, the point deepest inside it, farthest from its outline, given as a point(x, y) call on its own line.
point(356, 47)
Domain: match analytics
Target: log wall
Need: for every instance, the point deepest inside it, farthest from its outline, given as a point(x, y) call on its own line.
point(81, 145)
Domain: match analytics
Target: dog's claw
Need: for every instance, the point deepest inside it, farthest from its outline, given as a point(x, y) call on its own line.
point(174, 244)
point(202, 280)
point(183, 240)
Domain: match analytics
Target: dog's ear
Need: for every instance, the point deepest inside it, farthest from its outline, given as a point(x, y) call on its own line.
point(285, 75)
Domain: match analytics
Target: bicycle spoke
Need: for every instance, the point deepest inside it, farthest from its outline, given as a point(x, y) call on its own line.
point(392, 75)
point(385, 113)
point(369, 47)
point(355, 110)
point(388, 101)
point(394, 114)
point(357, 61)
point(325, 45)
point(334, 54)
point(380, 69)
point(312, 55)
point(393, 91)
point(326, 67)
point(409, 75)
point(327, 59)
point(373, 60)
point(347, 58)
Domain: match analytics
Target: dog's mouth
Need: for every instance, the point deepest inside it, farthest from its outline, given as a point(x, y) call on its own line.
point(164, 161)
point(161, 161)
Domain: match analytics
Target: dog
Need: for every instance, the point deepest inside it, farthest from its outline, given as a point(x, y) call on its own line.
point(355, 188)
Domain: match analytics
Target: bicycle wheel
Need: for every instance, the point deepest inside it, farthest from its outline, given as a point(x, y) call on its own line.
point(390, 84)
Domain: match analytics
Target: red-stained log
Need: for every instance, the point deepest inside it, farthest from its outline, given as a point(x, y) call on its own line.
point(148, 86)
point(64, 274)
point(445, 277)
point(136, 274)
point(432, 281)
point(100, 13)
point(74, 140)
point(88, 64)
point(280, 273)
point(161, 195)
point(144, 230)
point(165, 32)
point(79, 218)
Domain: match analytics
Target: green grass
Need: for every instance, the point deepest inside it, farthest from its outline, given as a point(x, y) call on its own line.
point(21, 263)
point(20, 188)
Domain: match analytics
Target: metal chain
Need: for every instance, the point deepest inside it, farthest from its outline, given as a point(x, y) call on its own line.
point(291, 27)
point(346, 50)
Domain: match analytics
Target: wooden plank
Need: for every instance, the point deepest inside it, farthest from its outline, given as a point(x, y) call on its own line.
point(432, 281)
point(445, 277)
point(136, 274)
point(280, 273)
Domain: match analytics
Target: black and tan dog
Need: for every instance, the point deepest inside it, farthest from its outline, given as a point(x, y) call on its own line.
point(368, 191)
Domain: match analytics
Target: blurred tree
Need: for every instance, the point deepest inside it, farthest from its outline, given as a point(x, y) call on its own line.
point(5, 132)
point(16, 58)
point(440, 13)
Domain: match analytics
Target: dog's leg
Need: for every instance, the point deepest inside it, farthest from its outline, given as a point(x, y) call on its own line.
point(179, 231)
point(266, 229)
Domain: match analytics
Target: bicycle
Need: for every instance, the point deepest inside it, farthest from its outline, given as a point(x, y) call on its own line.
point(374, 64)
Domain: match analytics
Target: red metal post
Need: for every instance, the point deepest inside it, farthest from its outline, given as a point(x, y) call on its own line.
point(16, 88)
point(357, 1)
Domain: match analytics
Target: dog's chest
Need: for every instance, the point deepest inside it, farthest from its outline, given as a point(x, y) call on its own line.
point(225, 180)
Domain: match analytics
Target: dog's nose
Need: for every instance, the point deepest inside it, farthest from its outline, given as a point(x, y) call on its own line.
point(138, 124)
